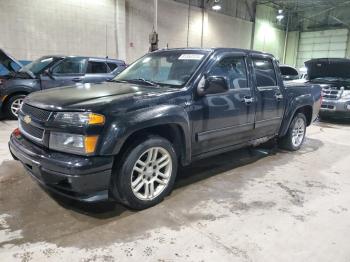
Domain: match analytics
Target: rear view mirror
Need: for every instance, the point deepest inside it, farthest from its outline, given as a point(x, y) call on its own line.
point(212, 85)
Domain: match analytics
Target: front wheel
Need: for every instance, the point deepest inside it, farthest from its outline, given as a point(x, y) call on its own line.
point(295, 136)
point(146, 173)
point(14, 105)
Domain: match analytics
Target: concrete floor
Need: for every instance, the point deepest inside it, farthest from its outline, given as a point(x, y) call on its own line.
point(248, 205)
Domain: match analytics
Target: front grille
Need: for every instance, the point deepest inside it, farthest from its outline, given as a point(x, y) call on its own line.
point(327, 107)
point(32, 132)
point(34, 112)
point(330, 93)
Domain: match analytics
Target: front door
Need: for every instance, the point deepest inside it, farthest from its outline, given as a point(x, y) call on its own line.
point(269, 97)
point(69, 71)
point(225, 119)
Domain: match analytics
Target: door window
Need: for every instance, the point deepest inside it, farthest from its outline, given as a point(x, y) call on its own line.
point(232, 68)
point(96, 68)
point(264, 72)
point(70, 65)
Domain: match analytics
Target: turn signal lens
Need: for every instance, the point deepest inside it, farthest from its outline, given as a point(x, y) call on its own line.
point(90, 144)
point(77, 118)
point(96, 119)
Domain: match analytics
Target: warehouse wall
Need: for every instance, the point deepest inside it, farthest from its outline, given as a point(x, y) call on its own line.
point(292, 48)
point(267, 37)
point(29, 29)
point(218, 29)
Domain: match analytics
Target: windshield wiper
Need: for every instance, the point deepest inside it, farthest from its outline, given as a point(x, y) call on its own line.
point(149, 82)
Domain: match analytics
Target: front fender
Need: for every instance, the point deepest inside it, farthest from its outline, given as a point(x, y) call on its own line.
point(122, 127)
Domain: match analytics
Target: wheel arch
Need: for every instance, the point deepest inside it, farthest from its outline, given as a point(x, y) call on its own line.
point(170, 122)
point(305, 109)
point(172, 132)
point(8, 97)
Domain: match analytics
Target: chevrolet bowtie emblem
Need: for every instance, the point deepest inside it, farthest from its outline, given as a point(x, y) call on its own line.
point(27, 119)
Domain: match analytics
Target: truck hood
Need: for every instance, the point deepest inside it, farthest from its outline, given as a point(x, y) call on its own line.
point(11, 64)
point(97, 97)
point(328, 67)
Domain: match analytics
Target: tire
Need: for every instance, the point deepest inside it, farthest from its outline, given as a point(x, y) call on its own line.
point(12, 103)
point(295, 136)
point(129, 175)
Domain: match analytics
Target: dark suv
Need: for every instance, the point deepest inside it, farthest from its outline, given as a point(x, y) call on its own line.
point(48, 72)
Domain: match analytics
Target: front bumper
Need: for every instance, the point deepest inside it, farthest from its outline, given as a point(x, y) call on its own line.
point(335, 108)
point(81, 178)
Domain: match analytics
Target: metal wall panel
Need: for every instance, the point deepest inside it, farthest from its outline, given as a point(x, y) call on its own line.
point(322, 44)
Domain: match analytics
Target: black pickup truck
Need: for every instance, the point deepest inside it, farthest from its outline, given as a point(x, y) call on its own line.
point(124, 139)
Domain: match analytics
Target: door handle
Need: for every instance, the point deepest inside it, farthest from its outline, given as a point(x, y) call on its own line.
point(77, 79)
point(279, 96)
point(248, 100)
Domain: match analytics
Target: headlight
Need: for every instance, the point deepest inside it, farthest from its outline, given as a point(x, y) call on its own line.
point(346, 94)
point(72, 143)
point(76, 118)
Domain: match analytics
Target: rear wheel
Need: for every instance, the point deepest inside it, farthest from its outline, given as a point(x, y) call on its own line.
point(295, 136)
point(146, 173)
point(14, 105)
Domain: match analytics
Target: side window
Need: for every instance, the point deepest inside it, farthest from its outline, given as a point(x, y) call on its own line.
point(70, 65)
point(265, 72)
point(233, 68)
point(112, 66)
point(96, 68)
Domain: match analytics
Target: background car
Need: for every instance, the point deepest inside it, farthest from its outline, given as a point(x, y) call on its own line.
point(49, 72)
point(333, 74)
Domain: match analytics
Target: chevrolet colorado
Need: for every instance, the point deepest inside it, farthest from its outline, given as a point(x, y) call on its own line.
point(125, 139)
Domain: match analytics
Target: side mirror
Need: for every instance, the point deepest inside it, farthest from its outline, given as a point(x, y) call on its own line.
point(212, 85)
point(48, 73)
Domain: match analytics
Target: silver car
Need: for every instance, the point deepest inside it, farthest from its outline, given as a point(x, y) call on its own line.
point(333, 74)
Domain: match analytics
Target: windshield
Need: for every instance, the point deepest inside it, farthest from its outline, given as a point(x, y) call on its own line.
point(38, 65)
point(170, 68)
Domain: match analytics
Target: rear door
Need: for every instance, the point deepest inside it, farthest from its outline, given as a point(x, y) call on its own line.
point(269, 96)
point(69, 71)
point(97, 71)
point(227, 118)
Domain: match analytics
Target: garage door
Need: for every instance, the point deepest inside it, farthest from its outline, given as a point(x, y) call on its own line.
point(322, 44)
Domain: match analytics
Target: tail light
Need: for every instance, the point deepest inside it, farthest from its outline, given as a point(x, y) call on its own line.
point(17, 132)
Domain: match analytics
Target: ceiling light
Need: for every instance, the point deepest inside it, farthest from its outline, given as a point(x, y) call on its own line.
point(216, 6)
point(279, 17)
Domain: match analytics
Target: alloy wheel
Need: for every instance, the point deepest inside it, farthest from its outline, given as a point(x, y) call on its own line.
point(298, 132)
point(16, 106)
point(151, 173)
